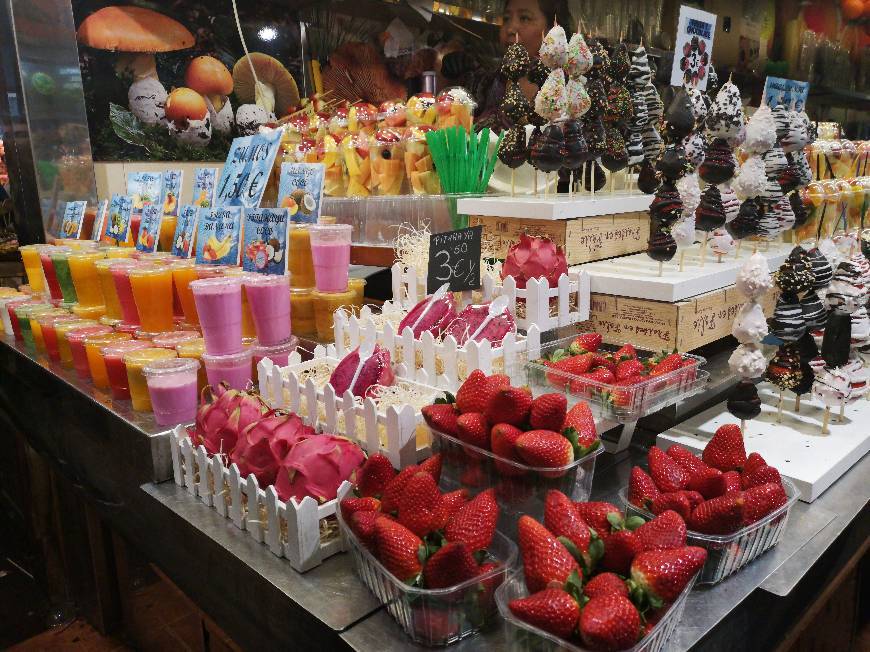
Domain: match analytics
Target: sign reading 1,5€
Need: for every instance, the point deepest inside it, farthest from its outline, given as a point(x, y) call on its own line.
point(247, 169)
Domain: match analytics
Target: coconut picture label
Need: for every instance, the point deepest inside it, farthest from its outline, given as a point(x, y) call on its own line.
point(300, 190)
point(185, 231)
point(265, 240)
point(118, 220)
point(454, 258)
point(149, 228)
point(144, 188)
point(204, 185)
point(169, 197)
point(100, 220)
point(218, 235)
point(73, 217)
point(246, 171)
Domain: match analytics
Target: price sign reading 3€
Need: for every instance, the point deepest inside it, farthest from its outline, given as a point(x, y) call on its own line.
point(454, 258)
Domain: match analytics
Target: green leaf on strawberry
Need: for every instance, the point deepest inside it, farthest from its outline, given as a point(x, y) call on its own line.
point(447, 398)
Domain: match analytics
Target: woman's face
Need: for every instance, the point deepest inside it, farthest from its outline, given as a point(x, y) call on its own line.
point(523, 21)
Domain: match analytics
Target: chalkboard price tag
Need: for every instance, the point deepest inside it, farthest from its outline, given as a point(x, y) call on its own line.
point(454, 258)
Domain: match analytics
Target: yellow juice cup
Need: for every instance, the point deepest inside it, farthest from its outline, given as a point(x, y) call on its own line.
point(167, 230)
point(152, 290)
point(89, 312)
point(93, 345)
point(302, 312)
point(325, 304)
point(299, 261)
point(135, 361)
point(248, 329)
point(358, 287)
point(194, 349)
point(36, 327)
point(119, 252)
point(110, 294)
point(63, 344)
point(33, 267)
point(84, 276)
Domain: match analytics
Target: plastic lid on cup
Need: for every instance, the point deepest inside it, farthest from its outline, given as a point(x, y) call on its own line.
point(285, 348)
point(171, 339)
point(88, 312)
point(83, 333)
point(107, 338)
point(27, 310)
point(192, 348)
point(171, 366)
point(148, 270)
point(215, 285)
point(49, 319)
point(147, 355)
point(266, 280)
point(119, 349)
point(330, 233)
point(87, 255)
point(228, 359)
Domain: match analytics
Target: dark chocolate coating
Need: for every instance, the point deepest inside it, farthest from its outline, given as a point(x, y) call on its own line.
point(794, 275)
point(597, 96)
point(806, 381)
point(600, 177)
point(789, 179)
point(615, 156)
point(619, 106)
point(661, 246)
point(746, 222)
point(513, 151)
point(515, 106)
point(679, 118)
point(667, 206)
point(710, 215)
point(595, 135)
point(784, 369)
point(647, 179)
point(546, 152)
point(801, 214)
point(806, 347)
point(822, 270)
point(620, 62)
point(533, 138)
point(673, 163)
point(538, 72)
point(719, 162)
point(837, 339)
point(574, 150)
point(516, 62)
point(743, 401)
point(788, 322)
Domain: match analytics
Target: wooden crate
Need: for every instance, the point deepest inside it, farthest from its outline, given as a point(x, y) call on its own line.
point(583, 239)
point(685, 325)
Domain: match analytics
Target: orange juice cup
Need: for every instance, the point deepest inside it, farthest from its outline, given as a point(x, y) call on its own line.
point(249, 330)
point(152, 290)
point(135, 361)
point(89, 312)
point(96, 364)
point(113, 359)
point(167, 231)
point(77, 338)
point(194, 349)
point(61, 331)
point(120, 271)
point(325, 304)
point(33, 267)
point(110, 293)
point(171, 339)
point(25, 312)
point(183, 272)
point(302, 309)
point(119, 252)
point(85, 279)
point(299, 261)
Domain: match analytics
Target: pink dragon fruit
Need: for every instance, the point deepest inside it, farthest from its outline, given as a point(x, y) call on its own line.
point(432, 314)
point(376, 370)
point(534, 258)
point(316, 466)
point(220, 421)
point(264, 444)
point(468, 324)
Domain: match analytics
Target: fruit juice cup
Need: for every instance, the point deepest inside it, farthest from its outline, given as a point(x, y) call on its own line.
point(48, 271)
point(113, 359)
point(233, 368)
point(33, 267)
point(5, 321)
point(357, 286)
point(194, 349)
point(135, 362)
point(14, 326)
point(387, 162)
point(278, 353)
point(110, 293)
point(171, 339)
point(61, 331)
point(152, 290)
point(77, 338)
point(89, 312)
point(334, 181)
point(172, 389)
point(167, 231)
point(269, 301)
point(23, 313)
point(325, 304)
point(48, 324)
point(330, 253)
point(219, 306)
point(120, 252)
point(299, 262)
point(96, 365)
point(185, 271)
point(357, 165)
point(60, 261)
point(120, 271)
point(419, 168)
point(84, 277)
point(36, 327)
point(249, 331)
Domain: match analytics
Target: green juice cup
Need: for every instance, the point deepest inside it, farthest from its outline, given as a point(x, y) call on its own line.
point(24, 313)
point(60, 260)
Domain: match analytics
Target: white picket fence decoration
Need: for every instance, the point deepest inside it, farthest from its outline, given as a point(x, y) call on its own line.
point(243, 502)
point(407, 292)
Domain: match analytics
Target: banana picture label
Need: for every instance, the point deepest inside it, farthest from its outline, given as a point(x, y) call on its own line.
point(218, 235)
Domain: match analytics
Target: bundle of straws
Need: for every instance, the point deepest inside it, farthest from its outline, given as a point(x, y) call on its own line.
point(463, 161)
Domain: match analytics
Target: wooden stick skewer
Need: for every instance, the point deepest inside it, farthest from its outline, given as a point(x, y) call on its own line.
point(743, 426)
point(682, 259)
point(842, 415)
point(704, 248)
point(825, 420)
point(739, 244)
point(797, 404)
point(661, 267)
point(513, 181)
point(779, 408)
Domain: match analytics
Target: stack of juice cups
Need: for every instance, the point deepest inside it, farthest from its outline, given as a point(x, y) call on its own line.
point(61, 332)
point(330, 253)
point(194, 349)
point(301, 269)
point(4, 313)
point(48, 272)
point(96, 365)
point(77, 338)
point(135, 362)
point(171, 339)
point(249, 331)
point(82, 267)
point(23, 313)
point(12, 326)
point(269, 300)
point(60, 263)
point(33, 267)
point(172, 387)
point(219, 305)
point(113, 359)
point(36, 328)
point(183, 272)
point(48, 325)
point(152, 291)
point(113, 314)
point(120, 271)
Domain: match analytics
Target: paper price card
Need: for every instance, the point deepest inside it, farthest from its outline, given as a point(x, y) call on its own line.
point(73, 216)
point(185, 231)
point(218, 235)
point(204, 183)
point(171, 191)
point(149, 228)
point(694, 49)
point(118, 220)
point(454, 258)
point(265, 240)
point(247, 170)
point(144, 188)
point(300, 190)
point(100, 220)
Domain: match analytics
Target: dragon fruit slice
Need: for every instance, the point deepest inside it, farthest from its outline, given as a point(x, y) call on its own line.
point(220, 421)
point(533, 257)
point(316, 466)
point(432, 314)
point(489, 321)
point(263, 445)
point(361, 377)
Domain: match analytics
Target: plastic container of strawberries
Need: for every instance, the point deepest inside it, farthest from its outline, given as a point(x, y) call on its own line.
point(523, 637)
point(435, 617)
point(728, 553)
point(633, 402)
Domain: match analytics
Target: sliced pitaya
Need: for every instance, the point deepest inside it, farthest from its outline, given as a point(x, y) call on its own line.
point(220, 421)
point(533, 257)
point(432, 314)
point(489, 321)
point(316, 466)
point(361, 377)
point(263, 445)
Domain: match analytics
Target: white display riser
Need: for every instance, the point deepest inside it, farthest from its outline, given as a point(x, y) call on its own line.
point(637, 276)
point(558, 207)
point(795, 446)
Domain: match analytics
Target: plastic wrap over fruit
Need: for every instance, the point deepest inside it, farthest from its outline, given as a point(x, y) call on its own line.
point(489, 321)
point(433, 314)
point(317, 466)
point(362, 370)
point(263, 445)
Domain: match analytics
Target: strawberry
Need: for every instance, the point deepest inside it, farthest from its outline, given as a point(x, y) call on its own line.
point(598, 376)
point(761, 500)
point(441, 625)
point(694, 497)
point(418, 503)
point(708, 482)
point(760, 475)
point(625, 352)
point(721, 515)
point(450, 565)
point(574, 365)
point(441, 417)
point(586, 342)
point(472, 475)
point(548, 412)
point(754, 461)
point(732, 481)
point(663, 574)
point(619, 549)
point(580, 418)
point(666, 531)
point(653, 616)
point(675, 501)
point(545, 448)
point(351, 505)
point(563, 521)
point(393, 491)
point(604, 360)
point(641, 488)
point(362, 524)
point(473, 429)
point(474, 523)
point(509, 405)
point(609, 622)
point(685, 458)
point(624, 397)
point(373, 476)
point(477, 389)
point(690, 369)
point(667, 474)
point(432, 466)
point(603, 584)
point(488, 585)
point(628, 369)
point(503, 439)
point(552, 610)
point(725, 450)
point(398, 549)
point(545, 559)
point(600, 516)
point(448, 506)
point(667, 364)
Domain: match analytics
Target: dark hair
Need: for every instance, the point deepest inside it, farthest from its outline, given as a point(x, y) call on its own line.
point(559, 9)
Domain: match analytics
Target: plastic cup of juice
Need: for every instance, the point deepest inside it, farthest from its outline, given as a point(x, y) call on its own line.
point(120, 271)
point(60, 260)
point(48, 324)
point(96, 364)
point(279, 353)
point(84, 277)
point(330, 252)
point(61, 332)
point(33, 267)
point(23, 313)
point(269, 300)
point(135, 361)
point(77, 338)
point(110, 293)
point(219, 306)
point(302, 309)
point(48, 271)
point(14, 325)
point(5, 320)
point(185, 271)
point(171, 339)
point(299, 262)
point(234, 368)
point(172, 389)
point(36, 328)
point(194, 349)
point(89, 312)
point(113, 359)
point(152, 290)
point(249, 331)
point(119, 252)
point(358, 287)
point(325, 304)
point(167, 231)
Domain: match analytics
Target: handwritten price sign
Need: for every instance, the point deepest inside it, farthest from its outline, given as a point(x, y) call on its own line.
point(247, 169)
point(454, 258)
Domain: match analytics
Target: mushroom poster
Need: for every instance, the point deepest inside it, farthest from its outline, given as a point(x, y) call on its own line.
point(170, 81)
point(694, 48)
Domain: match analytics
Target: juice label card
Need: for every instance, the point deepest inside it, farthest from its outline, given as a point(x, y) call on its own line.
point(185, 231)
point(100, 219)
point(247, 169)
point(73, 216)
point(300, 190)
point(204, 182)
point(171, 192)
point(265, 240)
point(149, 228)
point(144, 188)
point(218, 235)
point(118, 220)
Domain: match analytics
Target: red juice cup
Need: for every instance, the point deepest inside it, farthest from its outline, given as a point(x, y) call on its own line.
point(121, 276)
point(219, 306)
point(76, 338)
point(171, 339)
point(278, 353)
point(4, 312)
point(50, 277)
point(13, 318)
point(49, 333)
point(330, 251)
point(233, 368)
point(269, 300)
point(172, 385)
point(116, 370)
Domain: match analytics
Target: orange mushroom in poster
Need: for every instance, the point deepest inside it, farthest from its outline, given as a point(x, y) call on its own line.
point(187, 115)
point(211, 78)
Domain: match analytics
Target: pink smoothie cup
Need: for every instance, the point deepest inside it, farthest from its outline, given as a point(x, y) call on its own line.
point(171, 339)
point(269, 300)
point(233, 368)
point(330, 251)
point(172, 387)
point(278, 354)
point(121, 275)
point(219, 306)
point(76, 339)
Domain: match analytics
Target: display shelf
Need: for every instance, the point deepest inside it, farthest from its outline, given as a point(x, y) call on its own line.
point(795, 445)
point(560, 207)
